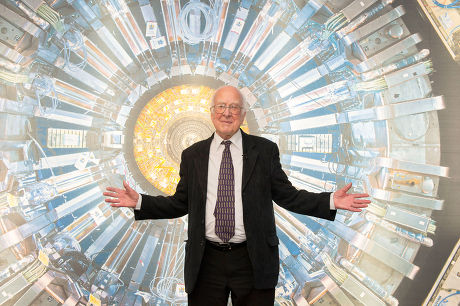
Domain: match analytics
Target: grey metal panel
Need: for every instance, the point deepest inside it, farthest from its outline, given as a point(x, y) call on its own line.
point(407, 199)
point(78, 202)
point(373, 249)
point(361, 292)
point(394, 110)
point(10, 33)
point(388, 53)
point(17, 235)
point(407, 218)
point(35, 290)
point(10, 54)
point(336, 292)
point(356, 7)
point(20, 21)
point(403, 75)
point(10, 238)
point(392, 163)
point(10, 106)
point(36, 224)
point(12, 287)
point(34, 4)
point(114, 46)
point(374, 25)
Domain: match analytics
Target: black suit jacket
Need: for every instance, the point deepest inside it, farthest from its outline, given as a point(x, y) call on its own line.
point(263, 182)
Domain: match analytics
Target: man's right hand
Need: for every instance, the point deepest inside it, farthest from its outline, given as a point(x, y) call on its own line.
point(122, 198)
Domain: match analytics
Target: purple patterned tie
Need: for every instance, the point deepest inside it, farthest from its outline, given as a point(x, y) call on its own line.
point(225, 205)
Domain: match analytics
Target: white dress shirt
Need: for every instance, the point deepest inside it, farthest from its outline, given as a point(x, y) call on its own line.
point(215, 158)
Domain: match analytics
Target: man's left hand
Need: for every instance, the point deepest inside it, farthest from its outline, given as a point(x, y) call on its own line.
point(352, 201)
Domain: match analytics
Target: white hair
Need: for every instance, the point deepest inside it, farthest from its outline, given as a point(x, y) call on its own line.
point(244, 104)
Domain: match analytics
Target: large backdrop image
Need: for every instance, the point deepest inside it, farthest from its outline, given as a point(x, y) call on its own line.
point(97, 91)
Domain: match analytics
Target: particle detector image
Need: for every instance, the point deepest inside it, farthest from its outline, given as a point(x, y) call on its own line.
point(94, 92)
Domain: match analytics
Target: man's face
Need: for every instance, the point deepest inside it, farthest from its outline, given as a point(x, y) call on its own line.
point(227, 123)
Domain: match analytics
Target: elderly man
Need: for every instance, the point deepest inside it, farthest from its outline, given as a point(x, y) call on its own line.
point(227, 186)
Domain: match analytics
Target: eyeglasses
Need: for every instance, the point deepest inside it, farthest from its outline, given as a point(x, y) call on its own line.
point(234, 109)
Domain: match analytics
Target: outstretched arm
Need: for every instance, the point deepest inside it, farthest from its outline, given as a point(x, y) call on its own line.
point(153, 207)
point(350, 201)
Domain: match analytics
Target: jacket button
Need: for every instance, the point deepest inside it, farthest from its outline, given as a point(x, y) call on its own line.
point(202, 221)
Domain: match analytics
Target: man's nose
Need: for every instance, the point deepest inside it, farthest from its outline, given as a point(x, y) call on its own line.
point(227, 112)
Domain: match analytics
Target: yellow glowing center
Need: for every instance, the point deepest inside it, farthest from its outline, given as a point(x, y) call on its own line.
point(171, 121)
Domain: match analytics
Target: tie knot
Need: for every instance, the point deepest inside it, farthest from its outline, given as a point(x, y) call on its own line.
point(227, 143)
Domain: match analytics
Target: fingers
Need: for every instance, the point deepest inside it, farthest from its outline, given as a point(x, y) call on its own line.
point(360, 195)
point(114, 189)
point(357, 207)
point(127, 187)
point(112, 200)
point(110, 194)
point(344, 189)
point(347, 187)
point(362, 201)
point(117, 205)
point(119, 197)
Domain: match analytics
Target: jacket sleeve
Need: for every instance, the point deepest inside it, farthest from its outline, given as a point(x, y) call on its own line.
point(167, 207)
point(298, 201)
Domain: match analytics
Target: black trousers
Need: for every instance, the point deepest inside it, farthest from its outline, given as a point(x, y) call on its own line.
point(224, 273)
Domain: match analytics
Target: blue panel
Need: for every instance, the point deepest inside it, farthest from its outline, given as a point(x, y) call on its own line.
point(290, 245)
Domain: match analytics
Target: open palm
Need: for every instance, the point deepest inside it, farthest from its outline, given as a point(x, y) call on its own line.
point(122, 197)
point(350, 201)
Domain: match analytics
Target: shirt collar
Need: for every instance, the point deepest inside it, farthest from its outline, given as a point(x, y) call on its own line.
point(236, 139)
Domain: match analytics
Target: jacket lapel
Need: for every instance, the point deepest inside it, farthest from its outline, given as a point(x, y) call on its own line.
point(249, 158)
point(201, 163)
